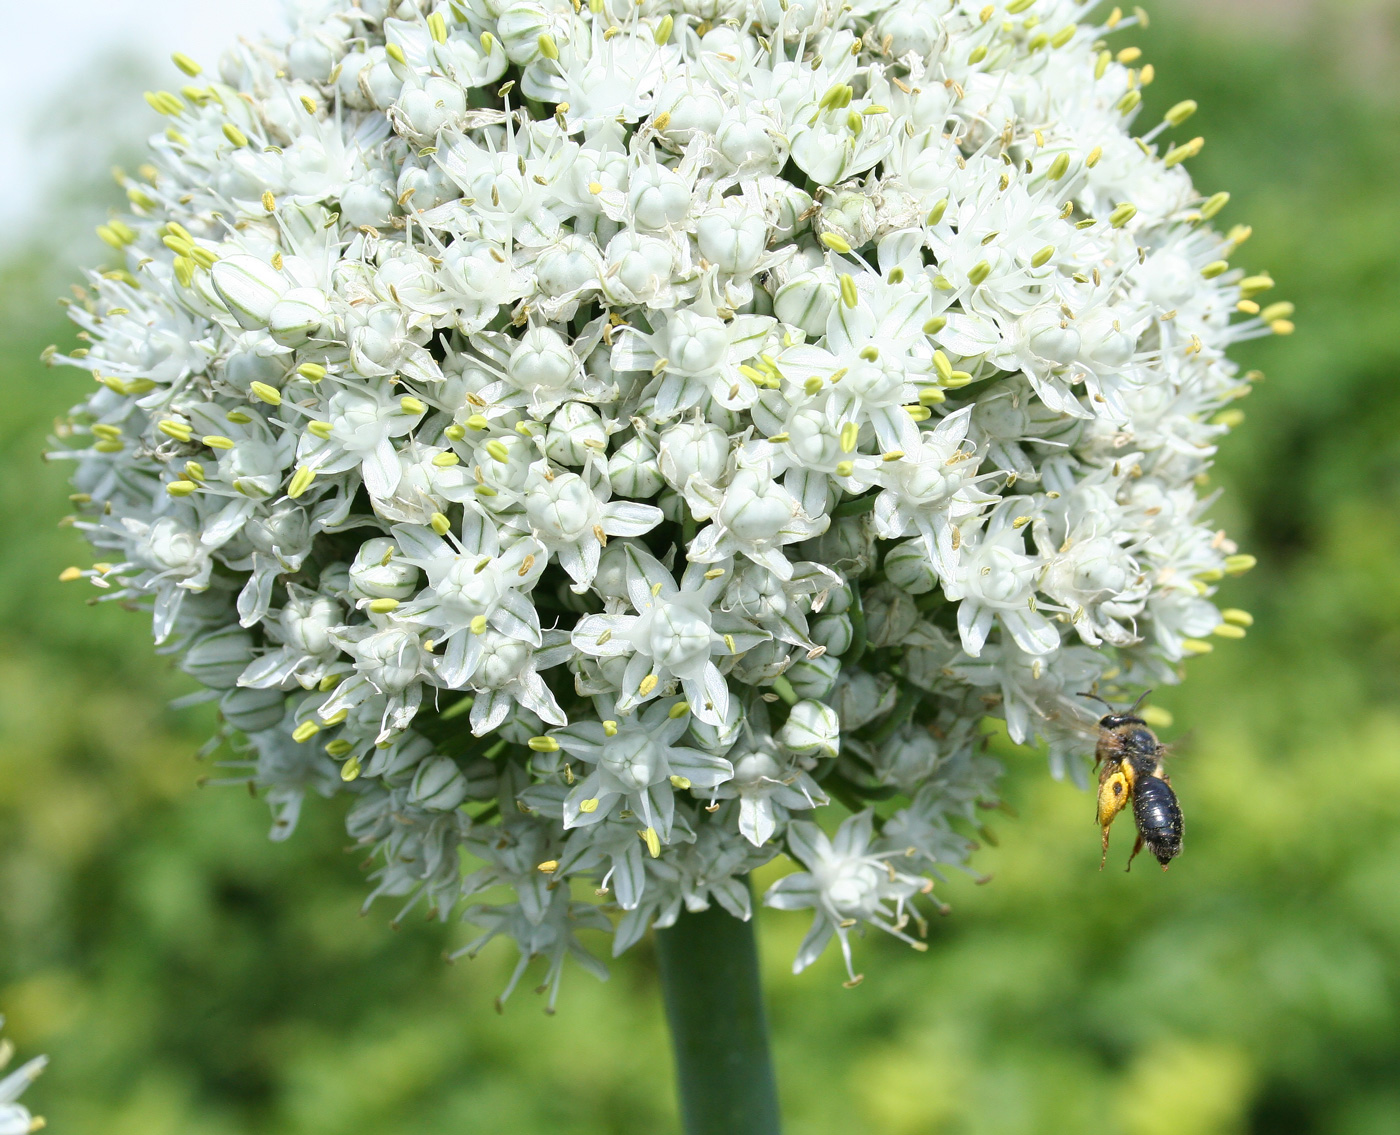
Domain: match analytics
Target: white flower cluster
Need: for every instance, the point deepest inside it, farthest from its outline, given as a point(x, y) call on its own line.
point(15, 1118)
point(597, 435)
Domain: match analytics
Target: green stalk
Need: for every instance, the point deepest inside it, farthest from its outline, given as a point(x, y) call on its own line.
point(714, 1005)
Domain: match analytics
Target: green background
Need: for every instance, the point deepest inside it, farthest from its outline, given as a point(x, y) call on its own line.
point(187, 976)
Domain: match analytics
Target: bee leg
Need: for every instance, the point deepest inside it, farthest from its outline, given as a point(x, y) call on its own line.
point(1136, 848)
point(1104, 858)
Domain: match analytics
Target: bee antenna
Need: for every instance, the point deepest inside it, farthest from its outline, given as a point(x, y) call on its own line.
point(1096, 697)
point(1141, 698)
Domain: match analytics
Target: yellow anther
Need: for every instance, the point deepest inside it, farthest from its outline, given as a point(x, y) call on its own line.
point(308, 104)
point(235, 135)
point(1122, 215)
point(1178, 154)
point(979, 272)
point(1094, 155)
point(1129, 55)
point(849, 296)
point(648, 684)
point(610, 729)
point(305, 731)
point(1063, 36)
point(1213, 205)
point(812, 385)
point(543, 744)
point(1276, 311)
point(384, 606)
point(1236, 617)
point(180, 431)
point(337, 748)
point(1196, 646)
point(69, 574)
point(437, 27)
point(301, 481)
point(836, 242)
point(935, 325)
point(681, 782)
point(1230, 419)
point(269, 394)
point(1282, 327)
point(181, 488)
point(478, 624)
point(931, 396)
point(1180, 112)
point(850, 432)
point(588, 807)
point(319, 429)
point(652, 840)
point(662, 35)
point(350, 769)
point(186, 64)
point(548, 48)
point(1228, 630)
point(447, 460)
point(1043, 257)
point(411, 405)
point(1251, 286)
point(919, 413)
point(395, 52)
point(845, 468)
point(440, 524)
point(312, 372)
point(1215, 268)
point(870, 353)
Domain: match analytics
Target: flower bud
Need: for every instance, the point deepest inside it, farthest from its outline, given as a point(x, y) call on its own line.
point(890, 614)
point(814, 677)
point(634, 471)
point(216, 660)
point(692, 449)
point(907, 566)
point(575, 430)
point(438, 785)
point(811, 730)
point(249, 287)
point(296, 317)
point(833, 632)
point(252, 711)
point(657, 197)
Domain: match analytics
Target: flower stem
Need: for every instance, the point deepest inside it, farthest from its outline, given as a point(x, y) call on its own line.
point(714, 1005)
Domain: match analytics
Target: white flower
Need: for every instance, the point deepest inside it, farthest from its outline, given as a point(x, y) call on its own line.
point(551, 444)
point(15, 1118)
point(636, 765)
point(845, 884)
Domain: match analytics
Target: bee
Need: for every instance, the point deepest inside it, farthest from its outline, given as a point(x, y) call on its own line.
point(1129, 759)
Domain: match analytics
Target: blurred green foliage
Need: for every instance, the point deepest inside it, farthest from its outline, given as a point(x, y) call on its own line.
point(189, 977)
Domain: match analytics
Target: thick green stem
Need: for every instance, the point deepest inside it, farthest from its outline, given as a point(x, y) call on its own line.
point(714, 1005)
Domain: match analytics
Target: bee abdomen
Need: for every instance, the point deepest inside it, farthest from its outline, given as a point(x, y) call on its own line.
point(1158, 817)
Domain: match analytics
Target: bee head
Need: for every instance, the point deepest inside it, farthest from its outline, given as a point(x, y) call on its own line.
point(1117, 721)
